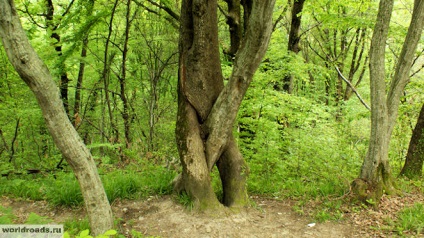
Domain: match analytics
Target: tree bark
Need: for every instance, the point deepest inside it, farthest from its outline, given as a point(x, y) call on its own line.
point(375, 176)
point(64, 80)
point(294, 39)
point(415, 156)
point(122, 80)
point(36, 75)
point(235, 27)
point(207, 109)
point(78, 87)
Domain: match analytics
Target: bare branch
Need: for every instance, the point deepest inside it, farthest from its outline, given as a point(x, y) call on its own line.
point(353, 89)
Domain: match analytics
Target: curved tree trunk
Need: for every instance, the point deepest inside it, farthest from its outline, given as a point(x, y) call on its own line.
point(36, 75)
point(206, 108)
point(375, 176)
point(415, 157)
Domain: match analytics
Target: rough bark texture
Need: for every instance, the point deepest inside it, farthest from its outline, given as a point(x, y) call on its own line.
point(36, 75)
point(406, 57)
point(235, 27)
point(294, 39)
point(375, 171)
point(200, 81)
point(64, 80)
point(207, 109)
point(415, 156)
point(122, 81)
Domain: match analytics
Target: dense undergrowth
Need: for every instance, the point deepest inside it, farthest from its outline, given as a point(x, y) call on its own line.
point(296, 147)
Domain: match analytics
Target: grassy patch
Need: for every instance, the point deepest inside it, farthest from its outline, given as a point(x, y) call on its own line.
point(6, 215)
point(129, 183)
point(411, 220)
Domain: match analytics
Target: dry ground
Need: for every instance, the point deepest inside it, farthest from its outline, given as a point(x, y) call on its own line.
point(164, 217)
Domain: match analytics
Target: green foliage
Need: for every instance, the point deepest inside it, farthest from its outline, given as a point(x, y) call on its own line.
point(57, 195)
point(6, 215)
point(295, 146)
point(130, 183)
point(86, 234)
point(74, 226)
point(184, 199)
point(411, 219)
point(35, 219)
point(24, 188)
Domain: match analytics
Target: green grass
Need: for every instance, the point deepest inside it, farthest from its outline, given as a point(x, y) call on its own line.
point(58, 196)
point(75, 226)
point(411, 220)
point(25, 187)
point(6, 215)
point(124, 184)
point(184, 199)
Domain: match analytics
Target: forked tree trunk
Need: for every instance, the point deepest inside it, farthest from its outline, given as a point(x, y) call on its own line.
point(375, 176)
point(415, 157)
point(36, 75)
point(207, 109)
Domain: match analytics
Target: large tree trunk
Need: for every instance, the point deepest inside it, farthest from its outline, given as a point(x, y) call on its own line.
point(415, 156)
point(375, 176)
point(36, 75)
point(207, 109)
point(200, 82)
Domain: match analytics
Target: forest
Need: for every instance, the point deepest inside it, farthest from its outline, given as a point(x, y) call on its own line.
point(117, 114)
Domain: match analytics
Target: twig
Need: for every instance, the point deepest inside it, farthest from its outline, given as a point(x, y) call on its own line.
point(353, 88)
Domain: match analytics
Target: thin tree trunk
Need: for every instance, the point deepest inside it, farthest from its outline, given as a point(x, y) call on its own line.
point(294, 39)
point(106, 76)
point(64, 80)
point(415, 157)
point(375, 176)
point(122, 81)
point(36, 75)
point(78, 87)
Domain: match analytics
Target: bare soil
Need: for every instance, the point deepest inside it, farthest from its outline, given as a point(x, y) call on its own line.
point(165, 217)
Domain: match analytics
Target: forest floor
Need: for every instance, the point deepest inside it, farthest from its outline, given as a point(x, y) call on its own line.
point(268, 217)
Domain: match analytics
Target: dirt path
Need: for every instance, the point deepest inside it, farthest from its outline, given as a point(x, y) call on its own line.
point(164, 217)
point(271, 218)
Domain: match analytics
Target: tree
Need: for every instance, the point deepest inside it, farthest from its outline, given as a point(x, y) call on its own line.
point(375, 175)
point(206, 108)
point(294, 39)
point(36, 75)
point(415, 156)
point(338, 37)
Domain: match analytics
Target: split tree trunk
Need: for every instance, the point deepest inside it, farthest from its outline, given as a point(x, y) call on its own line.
point(36, 75)
point(206, 108)
point(375, 176)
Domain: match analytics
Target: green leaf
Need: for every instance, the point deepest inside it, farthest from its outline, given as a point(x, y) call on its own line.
point(110, 232)
point(84, 233)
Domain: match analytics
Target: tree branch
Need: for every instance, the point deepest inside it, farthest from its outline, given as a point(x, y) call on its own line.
point(353, 89)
